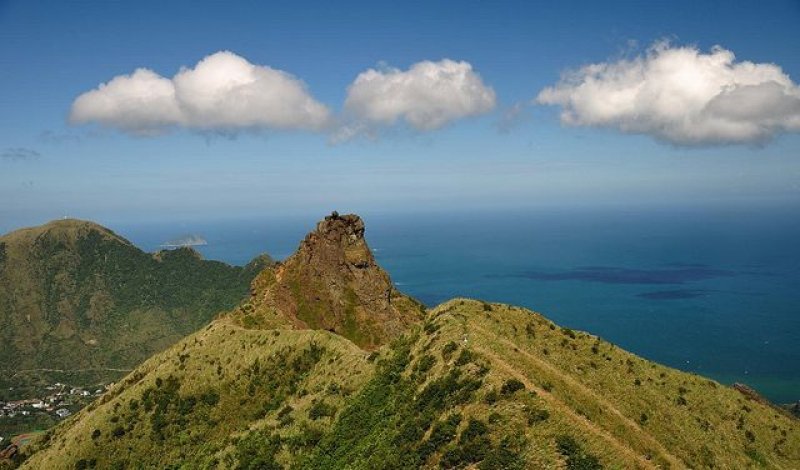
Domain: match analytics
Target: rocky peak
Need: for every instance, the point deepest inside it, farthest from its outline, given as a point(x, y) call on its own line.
point(337, 240)
point(332, 282)
point(349, 225)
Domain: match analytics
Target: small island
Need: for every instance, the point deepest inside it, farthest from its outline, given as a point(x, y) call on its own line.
point(184, 241)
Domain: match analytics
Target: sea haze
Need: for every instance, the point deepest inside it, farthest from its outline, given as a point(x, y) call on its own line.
point(716, 292)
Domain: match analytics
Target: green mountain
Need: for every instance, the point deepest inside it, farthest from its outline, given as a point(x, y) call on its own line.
point(76, 296)
point(305, 374)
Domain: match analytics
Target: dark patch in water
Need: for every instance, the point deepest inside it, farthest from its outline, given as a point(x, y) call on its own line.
point(692, 293)
point(612, 275)
point(686, 265)
point(760, 273)
point(673, 294)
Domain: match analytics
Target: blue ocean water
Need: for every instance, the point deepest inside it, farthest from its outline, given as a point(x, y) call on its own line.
point(713, 291)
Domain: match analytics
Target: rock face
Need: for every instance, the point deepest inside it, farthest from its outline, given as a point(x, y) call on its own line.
point(333, 283)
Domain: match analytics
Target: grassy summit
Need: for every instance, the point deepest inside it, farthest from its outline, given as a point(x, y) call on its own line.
point(467, 384)
point(75, 296)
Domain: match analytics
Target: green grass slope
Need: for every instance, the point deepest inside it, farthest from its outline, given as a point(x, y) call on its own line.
point(210, 400)
point(475, 386)
point(74, 295)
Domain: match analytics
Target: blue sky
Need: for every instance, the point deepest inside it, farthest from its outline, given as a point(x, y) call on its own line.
point(53, 52)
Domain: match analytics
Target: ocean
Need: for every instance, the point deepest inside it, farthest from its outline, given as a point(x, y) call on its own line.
point(711, 291)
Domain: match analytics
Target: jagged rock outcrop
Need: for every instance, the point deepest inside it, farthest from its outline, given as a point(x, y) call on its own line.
point(333, 283)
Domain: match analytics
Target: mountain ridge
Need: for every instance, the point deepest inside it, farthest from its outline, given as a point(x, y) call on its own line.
point(466, 384)
point(64, 283)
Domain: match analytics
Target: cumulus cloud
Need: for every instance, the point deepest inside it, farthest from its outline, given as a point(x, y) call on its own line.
point(141, 102)
point(19, 153)
point(223, 92)
point(427, 96)
point(682, 96)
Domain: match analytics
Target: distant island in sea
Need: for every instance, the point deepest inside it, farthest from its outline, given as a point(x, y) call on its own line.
point(185, 240)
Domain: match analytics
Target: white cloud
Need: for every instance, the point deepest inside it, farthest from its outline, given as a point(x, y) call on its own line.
point(223, 92)
point(141, 102)
point(682, 96)
point(427, 96)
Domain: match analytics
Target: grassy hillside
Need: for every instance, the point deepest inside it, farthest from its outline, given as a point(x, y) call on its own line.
point(469, 385)
point(210, 396)
point(74, 295)
point(477, 384)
